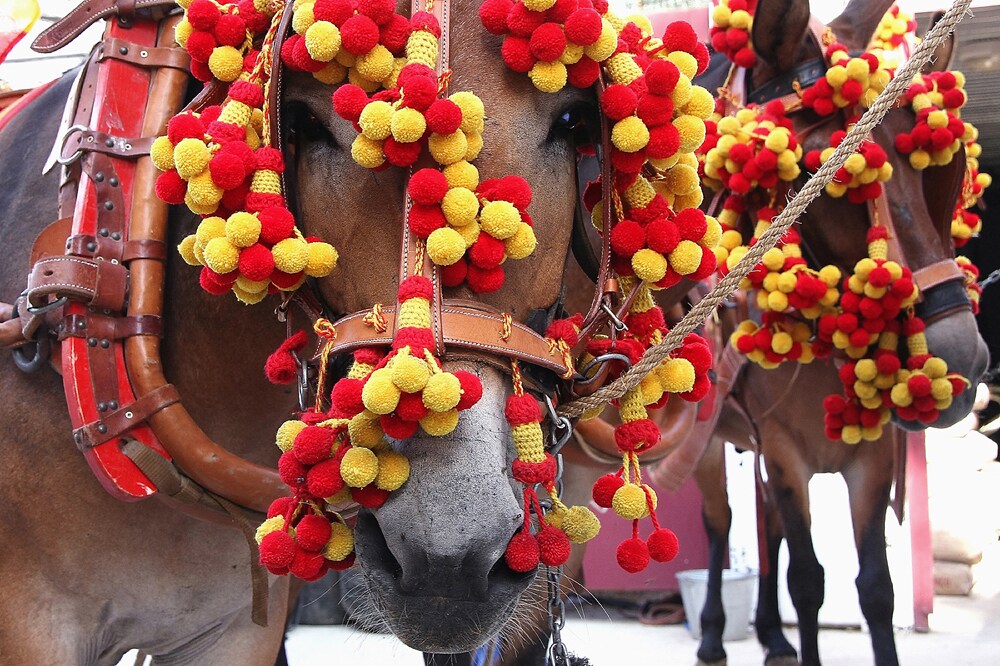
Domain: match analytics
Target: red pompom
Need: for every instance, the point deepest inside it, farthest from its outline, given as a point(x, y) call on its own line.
point(583, 26)
point(276, 224)
point(359, 34)
point(664, 140)
point(522, 552)
point(346, 396)
point(691, 223)
point(428, 186)
point(306, 565)
point(276, 550)
point(370, 497)
point(185, 126)
point(561, 10)
point(411, 407)
point(443, 116)
point(334, 11)
point(379, 11)
point(427, 22)
point(202, 14)
point(604, 489)
point(627, 238)
point(313, 444)
point(493, 14)
point(522, 21)
point(230, 30)
point(472, 389)
point(425, 219)
point(618, 101)
point(584, 73)
point(638, 435)
point(633, 555)
point(454, 275)
point(512, 189)
point(401, 154)
point(348, 101)
point(487, 252)
point(553, 546)
point(419, 92)
point(170, 187)
point(312, 533)
point(547, 42)
point(291, 471)
point(394, 34)
point(323, 479)
point(516, 54)
point(396, 427)
point(522, 409)
point(256, 262)
point(663, 545)
point(661, 77)
point(280, 367)
point(485, 281)
point(216, 284)
point(280, 506)
point(662, 236)
point(655, 110)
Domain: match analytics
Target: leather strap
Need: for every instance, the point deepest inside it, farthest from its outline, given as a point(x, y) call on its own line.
point(464, 328)
point(943, 300)
point(938, 273)
point(85, 245)
point(100, 284)
point(87, 140)
point(114, 423)
point(143, 56)
point(66, 29)
point(110, 328)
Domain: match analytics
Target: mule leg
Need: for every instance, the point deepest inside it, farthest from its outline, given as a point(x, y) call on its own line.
point(788, 489)
point(767, 622)
point(868, 481)
point(711, 479)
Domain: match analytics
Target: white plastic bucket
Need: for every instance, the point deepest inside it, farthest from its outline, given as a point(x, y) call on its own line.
point(737, 600)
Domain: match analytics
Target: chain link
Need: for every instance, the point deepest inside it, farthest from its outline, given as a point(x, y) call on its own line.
point(556, 655)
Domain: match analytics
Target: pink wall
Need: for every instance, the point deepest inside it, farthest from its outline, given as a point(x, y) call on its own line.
point(698, 18)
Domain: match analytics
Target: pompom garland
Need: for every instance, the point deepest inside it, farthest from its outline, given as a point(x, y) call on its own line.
point(730, 31)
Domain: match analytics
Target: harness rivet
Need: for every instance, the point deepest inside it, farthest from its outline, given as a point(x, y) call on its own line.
point(113, 404)
point(144, 53)
point(92, 342)
point(81, 324)
point(113, 181)
point(123, 50)
point(99, 176)
point(104, 232)
point(105, 344)
point(102, 406)
point(129, 415)
point(108, 205)
point(91, 247)
point(116, 236)
point(101, 428)
point(109, 142)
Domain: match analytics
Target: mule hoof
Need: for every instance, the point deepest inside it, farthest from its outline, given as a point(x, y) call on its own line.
point(721, 662)
point(782, 660)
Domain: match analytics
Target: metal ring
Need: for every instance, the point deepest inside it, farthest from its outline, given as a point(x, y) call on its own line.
point(42, 351)
point(603, 358)
point(48, 307)
point(303, 382)
point(66, 161)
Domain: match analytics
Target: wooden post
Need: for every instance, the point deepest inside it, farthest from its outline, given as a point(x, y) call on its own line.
point(920, 530)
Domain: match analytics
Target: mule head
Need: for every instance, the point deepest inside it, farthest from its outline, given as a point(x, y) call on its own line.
point(921, 202)
point(432, 555)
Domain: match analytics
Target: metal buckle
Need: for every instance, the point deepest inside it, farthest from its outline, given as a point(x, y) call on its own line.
point(66, 161)
point(303, 382)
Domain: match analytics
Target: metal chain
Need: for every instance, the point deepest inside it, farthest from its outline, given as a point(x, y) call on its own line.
point(556, 655)
point(990, 279)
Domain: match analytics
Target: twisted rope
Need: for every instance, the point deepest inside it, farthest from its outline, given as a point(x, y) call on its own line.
point(813, 188)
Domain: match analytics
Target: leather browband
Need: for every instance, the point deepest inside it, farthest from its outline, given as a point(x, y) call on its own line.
point(943, 299)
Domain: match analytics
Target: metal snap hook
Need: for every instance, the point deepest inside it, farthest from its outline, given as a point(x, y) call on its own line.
point(619, 325)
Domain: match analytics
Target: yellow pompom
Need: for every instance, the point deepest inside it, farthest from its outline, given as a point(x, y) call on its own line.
point(408, 125)
point(291, 255)
point(322, 259)
point(500, 219)
point(605, 44)
point(686, 257)
point(580, 524)
point(474, 143)
point(438, 424)
point(287, 432)
point(209, 228)
point(522, 243)
point(538, 5)
point(354, 76)
point(364, 430)
point(629, 502)
point(740, 19)
point(445, 246)
point(701, 105)
point(359, 467)
point(182, 31)
point(469, 233)
point(682, 179)
point(380, 395)
point(460, 205)
point(682, 92)
point(272, 524)
point(226, 63)
point(935, 367)
point(572, 54)
point(322, 41)
point(162, 154)
point(221, 256)
point(376, 65)
point(367, 152)
point(191, 157)
point(676, 375)
point(836, 76)
point(685, 62)
point(243, 229)
point(630, 134)
point(548, 77)
point(341, 543)
point(473, 112)
point(409, 374)
point(649, 265)
point(248, 297)
point(393, 470)
point(187, 251)
point(376, 120)
point(850, 434)
point(442, 392)
point(448, 148)
point(691, 130)
point(781, 342)
point(461, 174)
point(302, 17)
point(901, 396)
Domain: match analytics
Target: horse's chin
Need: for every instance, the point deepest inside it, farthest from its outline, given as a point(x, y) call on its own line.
point(430, 622)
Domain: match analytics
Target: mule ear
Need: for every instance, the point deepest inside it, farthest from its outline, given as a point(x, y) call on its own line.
point(944, 54)
point(779, 27)
point(857, 23)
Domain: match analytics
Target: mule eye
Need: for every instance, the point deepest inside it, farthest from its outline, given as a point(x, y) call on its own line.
point(305, 126)
point(573, 124)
